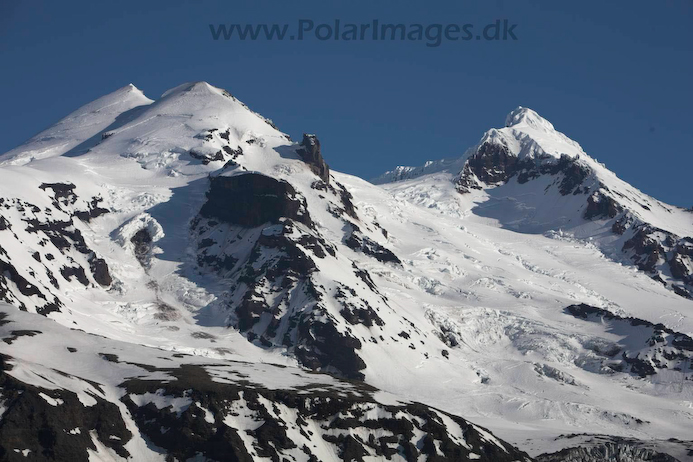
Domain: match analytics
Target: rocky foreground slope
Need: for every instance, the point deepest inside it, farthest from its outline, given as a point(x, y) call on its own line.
point(106, 399)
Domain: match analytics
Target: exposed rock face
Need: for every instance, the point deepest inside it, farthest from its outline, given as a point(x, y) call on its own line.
point(310, 153)
point(573, 174)
point(93, 211)
point(492, 164)
point(11, 278)
point(64, 195)
point(207, 158)
point(322, 347)
point(663, 348)
point(656, 251)
point(607, 452)
point(68, 272)
point(217, 147)
point(43, 422)
point(99, 269)
point(346, 198)
point(601, 206)
point(142, 246)
point(252, 199)
point(360, 243)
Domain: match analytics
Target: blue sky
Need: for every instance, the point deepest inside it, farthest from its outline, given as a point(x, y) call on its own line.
point(615, 76)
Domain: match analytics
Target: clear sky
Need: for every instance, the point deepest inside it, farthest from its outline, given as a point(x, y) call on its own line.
point(616, 76)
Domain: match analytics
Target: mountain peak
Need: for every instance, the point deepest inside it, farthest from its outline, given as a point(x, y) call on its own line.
point(79, 126)
point(524, 116)
point(198, 87)
point(134, 88)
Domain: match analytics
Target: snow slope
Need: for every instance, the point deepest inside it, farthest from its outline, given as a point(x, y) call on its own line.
point(193, 226)
point(81, 129)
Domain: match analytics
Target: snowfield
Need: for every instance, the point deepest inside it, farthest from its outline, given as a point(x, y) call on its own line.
point(214, 276)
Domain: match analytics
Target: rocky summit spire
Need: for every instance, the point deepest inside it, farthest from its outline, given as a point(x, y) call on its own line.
point(310, 153)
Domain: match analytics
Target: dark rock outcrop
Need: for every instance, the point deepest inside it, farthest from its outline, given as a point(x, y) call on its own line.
point(311, 155)
point(654, 250)
point(323, 348)
point(30, 422)
point(207, 158)
point(62, 234)
point(600, 206)
point(346, 199)
point(663, 349)
point(142, 246)
point(63, 193)
point(11, 280)
point(492, 164)
point(357, 241)
point(94, 210)
point(211, 152)
point(99, 269)
point(68, 272)
point(23, 285)
point(253, 199)
point(307, 328)
point(618, 450)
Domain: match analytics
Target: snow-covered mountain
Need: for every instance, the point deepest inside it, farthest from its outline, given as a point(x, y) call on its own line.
point(197, 284)
point(534, 179)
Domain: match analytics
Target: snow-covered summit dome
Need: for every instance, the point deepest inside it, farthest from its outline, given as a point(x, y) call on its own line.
point(525, 116)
